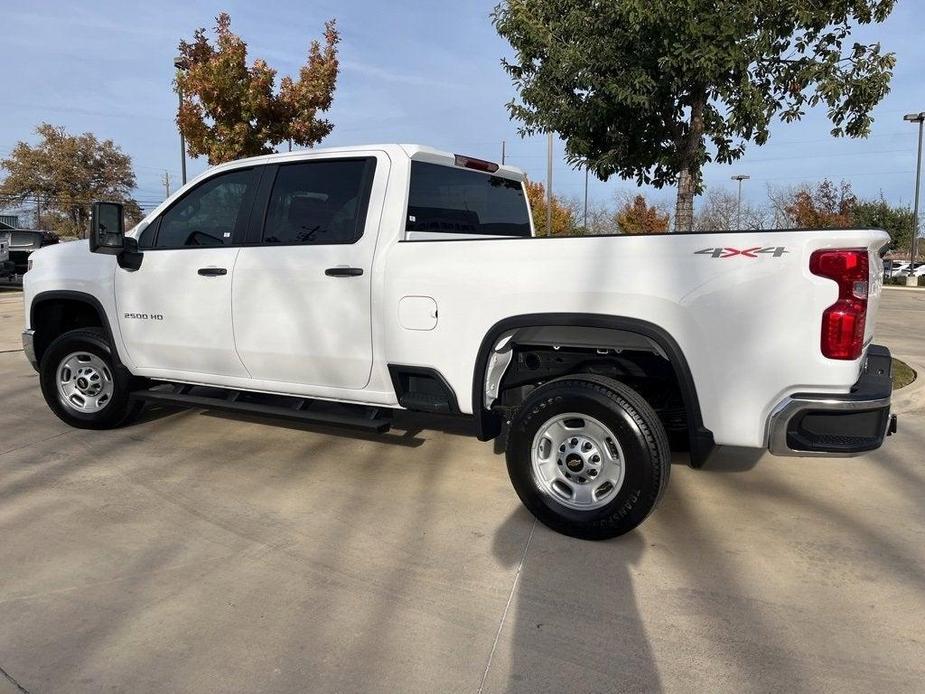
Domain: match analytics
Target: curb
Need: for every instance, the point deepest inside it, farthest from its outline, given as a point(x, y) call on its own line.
point(897, 288)
point(912, 397)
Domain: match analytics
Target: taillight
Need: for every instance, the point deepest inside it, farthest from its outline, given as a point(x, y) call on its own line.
point(843, 321)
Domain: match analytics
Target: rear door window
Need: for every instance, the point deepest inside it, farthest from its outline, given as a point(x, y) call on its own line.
point(449, 200)
point(319, 202)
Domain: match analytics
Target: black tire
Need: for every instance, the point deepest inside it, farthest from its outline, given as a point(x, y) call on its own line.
point(118, 410)
point(636, 428)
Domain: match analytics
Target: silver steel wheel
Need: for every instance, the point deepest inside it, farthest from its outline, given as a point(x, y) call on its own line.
point(84, 382)
point(578, 461)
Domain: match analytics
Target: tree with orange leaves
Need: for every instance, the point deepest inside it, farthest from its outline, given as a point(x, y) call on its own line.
point(638, 217)
point(229, 110)
point(563, 214)
point(826, 206)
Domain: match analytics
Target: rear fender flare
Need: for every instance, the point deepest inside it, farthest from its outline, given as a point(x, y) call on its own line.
point(488, 423)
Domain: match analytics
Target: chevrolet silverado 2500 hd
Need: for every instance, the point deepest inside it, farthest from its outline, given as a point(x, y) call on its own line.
point(335, 286)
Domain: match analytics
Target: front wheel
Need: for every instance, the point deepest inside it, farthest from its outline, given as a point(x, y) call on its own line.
point(588, 456)
point(82, 383)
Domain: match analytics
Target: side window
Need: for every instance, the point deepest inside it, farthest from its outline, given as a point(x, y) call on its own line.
point(209, 214)
point(319, 202)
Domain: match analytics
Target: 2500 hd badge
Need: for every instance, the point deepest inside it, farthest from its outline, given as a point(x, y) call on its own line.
point(145, 316)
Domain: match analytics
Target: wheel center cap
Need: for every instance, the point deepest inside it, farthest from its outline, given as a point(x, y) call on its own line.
point(574, 462)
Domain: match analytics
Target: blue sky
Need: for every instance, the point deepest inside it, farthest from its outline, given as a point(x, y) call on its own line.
point(423, 72)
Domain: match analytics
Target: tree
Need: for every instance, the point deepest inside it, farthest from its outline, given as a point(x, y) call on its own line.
point(655, 89)
point(824, 206)
point(229, 110)
point(563, 213)
point(720, 211)
point(897, 221)
point(780, 198)
point(66, 174)
point(602, 219)
point(638, 217)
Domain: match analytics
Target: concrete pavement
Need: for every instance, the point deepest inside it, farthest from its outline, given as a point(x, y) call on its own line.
point(204, 553)
point(11, 318)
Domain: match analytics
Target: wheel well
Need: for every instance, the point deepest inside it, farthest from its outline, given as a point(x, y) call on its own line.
point(53, 317)
point(521, 353)
point(648, 373)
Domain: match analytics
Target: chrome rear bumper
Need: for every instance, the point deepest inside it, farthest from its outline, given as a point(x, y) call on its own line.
point(807, 424)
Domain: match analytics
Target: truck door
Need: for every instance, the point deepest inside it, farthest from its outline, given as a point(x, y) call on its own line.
point(302, 289)
point(175, 310)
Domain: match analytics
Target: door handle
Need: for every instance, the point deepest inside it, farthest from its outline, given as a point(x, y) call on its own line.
point(344, 271)
point(212, 271)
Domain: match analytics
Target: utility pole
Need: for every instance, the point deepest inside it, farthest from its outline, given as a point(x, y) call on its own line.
point(920, 119)
point(739, 178)
point(549, 184)
point(585, 224)
point(503, 152)
point(180, 63)
point(166, 181)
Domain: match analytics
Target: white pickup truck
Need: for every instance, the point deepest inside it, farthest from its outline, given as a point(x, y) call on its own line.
point(338, 285)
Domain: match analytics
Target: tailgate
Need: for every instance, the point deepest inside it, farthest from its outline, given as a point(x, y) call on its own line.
point(875, 249)
point(25, 240)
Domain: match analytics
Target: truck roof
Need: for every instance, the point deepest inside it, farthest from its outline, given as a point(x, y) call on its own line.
point(412, 151)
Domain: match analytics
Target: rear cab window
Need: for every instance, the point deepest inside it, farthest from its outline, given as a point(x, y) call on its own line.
point(449, 202)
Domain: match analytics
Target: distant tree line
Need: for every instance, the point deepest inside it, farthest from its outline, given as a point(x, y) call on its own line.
point(823, 205)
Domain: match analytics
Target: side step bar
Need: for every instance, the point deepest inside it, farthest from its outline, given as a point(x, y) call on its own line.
point(284, 407)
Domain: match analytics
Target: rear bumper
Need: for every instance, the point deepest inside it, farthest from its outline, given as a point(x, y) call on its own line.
point(807, 424)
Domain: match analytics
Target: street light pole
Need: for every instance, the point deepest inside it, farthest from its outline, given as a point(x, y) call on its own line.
point(586, 199)
point(920, 119)
point(181, 63)
point(549, 184)
point(739, 178)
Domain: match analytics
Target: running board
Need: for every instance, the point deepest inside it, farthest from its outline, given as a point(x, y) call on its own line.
point(279, 406)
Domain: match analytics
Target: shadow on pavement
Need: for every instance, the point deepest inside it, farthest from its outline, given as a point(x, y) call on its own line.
point(574, 623)
point(732, 459)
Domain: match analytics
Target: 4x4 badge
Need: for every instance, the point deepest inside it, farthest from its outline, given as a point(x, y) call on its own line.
point(773, 251)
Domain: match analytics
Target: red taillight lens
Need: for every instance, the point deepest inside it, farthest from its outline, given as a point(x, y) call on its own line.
point(843, 321)
point(477, 164)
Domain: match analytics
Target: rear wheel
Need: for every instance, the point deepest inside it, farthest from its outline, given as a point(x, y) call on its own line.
point(82, 383)
point(588, 456)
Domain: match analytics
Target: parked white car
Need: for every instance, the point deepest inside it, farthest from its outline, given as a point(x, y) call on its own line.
point(900, 268)
point(895, 268)
point(338, 285)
